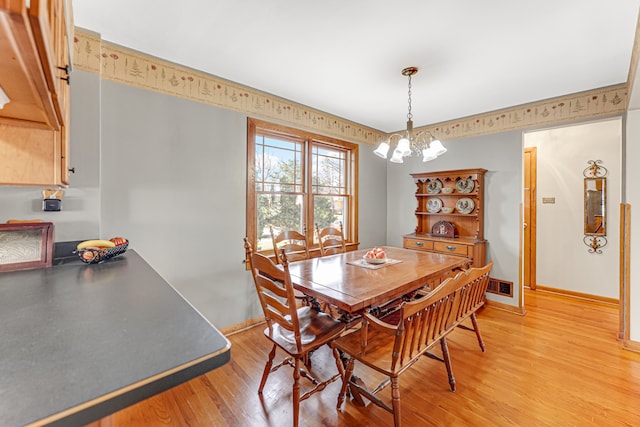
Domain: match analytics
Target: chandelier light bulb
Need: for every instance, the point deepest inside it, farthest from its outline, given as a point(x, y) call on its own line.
point(382, 150)
point(437, 147)
point(404, 147)
point(397, 156)
point(428, 154)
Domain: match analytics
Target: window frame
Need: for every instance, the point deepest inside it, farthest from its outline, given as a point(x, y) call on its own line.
point(256, 127)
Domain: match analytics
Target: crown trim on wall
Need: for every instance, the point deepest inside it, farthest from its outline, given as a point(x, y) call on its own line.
point(603, 102)
point(123, 65)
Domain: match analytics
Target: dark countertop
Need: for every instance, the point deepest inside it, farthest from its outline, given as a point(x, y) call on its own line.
point(79, 342)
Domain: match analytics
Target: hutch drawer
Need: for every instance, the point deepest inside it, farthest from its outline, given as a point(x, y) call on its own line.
point(423, 245)
point(453, 249)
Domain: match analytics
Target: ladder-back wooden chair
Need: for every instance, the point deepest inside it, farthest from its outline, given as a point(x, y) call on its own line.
point(293, 242)
point(331, 240)
point(391, 349)
point(296, 331)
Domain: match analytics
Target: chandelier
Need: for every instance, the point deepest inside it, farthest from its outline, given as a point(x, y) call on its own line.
point(407, 142)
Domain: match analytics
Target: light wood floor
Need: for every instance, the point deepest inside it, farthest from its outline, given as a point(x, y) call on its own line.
point(559, 365)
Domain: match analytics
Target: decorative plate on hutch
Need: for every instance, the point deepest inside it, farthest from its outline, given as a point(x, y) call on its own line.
point(465, 205)
point(434, 205)
point(434, 186)
point(465, 185)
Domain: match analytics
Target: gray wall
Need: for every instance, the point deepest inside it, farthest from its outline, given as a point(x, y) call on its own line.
point(372, 212)
point(631, 195)
point(174, 183)
point(80, 214)
point(501, 155)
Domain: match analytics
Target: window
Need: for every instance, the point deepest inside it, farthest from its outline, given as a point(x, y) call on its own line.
point(296, 179)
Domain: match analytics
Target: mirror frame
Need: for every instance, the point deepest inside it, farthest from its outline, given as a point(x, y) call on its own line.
point(595, 174)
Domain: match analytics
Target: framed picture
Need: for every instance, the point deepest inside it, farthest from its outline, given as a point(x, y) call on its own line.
point(26, 245)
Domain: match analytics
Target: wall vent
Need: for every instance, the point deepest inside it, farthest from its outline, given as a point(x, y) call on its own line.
point(500, 287)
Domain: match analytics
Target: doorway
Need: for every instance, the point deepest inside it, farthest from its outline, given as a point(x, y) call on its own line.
point(555, 256)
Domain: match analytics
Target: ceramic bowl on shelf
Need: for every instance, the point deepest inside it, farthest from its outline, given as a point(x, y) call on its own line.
point(447, 210)
point(447, 190)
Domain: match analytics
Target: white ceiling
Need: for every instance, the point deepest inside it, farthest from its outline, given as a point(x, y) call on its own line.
point(345, 57)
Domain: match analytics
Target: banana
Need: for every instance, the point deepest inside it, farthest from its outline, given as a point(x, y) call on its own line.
point(95, 243)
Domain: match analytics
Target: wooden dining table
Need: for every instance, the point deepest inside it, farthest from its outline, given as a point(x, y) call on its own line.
point(346, 282)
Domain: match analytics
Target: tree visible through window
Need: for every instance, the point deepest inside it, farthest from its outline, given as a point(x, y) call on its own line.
point(296, 179)
point(329, 186)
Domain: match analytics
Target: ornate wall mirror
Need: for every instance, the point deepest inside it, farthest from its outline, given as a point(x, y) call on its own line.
point(595, 206)
point(594, 202)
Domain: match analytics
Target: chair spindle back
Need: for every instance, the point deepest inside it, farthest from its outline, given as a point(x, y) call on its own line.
point(331, 240)
point(292, 242)
point(275, 290)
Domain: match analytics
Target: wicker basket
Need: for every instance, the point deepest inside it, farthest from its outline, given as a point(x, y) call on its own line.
point(94, 256)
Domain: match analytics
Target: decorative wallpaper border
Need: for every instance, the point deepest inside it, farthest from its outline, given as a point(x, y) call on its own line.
point(602, 102)
point(123, 65)
point(116, 63)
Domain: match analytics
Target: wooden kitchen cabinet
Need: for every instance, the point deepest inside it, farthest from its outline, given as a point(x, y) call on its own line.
point(34, 73)
point(450, 214)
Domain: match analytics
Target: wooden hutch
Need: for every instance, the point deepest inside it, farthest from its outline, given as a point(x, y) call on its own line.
point(450, 214)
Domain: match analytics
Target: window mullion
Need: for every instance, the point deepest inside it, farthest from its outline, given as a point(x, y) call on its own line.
point(309, 203)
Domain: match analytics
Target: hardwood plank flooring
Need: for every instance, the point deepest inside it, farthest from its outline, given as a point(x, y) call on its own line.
point(559, 365)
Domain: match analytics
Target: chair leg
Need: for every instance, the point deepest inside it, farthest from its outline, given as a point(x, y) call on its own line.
point(447, 362)
point(474, 321)
point(338, 359)
point(346, 377)
point(267, 369)
point(296, 392)
point(395, 400)
point(307, 360)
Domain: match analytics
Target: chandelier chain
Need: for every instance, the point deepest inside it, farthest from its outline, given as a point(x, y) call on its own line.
point(409, 115)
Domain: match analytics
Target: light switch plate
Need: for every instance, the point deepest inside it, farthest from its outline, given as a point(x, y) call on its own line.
point(51, 205)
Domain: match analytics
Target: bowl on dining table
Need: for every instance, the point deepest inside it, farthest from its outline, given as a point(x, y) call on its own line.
point(375, 260)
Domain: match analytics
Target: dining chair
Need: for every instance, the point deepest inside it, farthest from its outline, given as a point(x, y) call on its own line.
point(296, 331)
point(293, 242)
point(331, 240)
point(295, 245)
point(392, 348)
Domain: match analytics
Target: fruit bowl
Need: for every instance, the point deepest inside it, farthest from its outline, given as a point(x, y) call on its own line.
point(96, 255)
point(375, 260)
point(375, 256)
